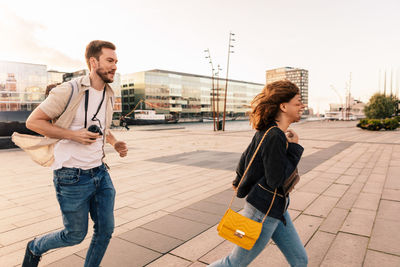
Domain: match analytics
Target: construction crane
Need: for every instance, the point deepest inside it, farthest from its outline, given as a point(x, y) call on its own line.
point(143, 101)
point(341, 100)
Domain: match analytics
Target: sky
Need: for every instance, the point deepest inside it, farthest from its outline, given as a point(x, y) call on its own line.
point(331, 39)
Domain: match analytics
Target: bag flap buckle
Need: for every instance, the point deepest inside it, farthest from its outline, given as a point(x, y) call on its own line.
point(239, 233)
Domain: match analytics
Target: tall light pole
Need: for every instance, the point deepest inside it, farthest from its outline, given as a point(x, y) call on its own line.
point(227, 72)
point(397, 92)
point(391, 82)
point(212, 84)
point(397, 83)
point(218, 89)
point(379, 81)
point(384, 85)
point(341, 100)
point(348, 97)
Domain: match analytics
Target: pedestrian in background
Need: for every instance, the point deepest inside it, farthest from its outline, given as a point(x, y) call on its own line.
point(123, 122)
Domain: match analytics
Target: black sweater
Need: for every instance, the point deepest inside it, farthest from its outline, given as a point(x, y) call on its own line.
point(274, 163)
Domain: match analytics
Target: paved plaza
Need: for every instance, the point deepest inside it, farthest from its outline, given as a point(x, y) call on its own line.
point(175, 185)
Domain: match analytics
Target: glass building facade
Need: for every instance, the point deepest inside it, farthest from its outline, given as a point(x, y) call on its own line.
point(22, 85)
point(54, 77)
point(186, 95)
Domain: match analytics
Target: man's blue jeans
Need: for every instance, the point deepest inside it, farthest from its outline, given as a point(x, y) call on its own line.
point(80, 192)
point(285, 237)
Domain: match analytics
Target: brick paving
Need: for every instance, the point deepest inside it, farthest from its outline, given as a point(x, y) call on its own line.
point(174, 186)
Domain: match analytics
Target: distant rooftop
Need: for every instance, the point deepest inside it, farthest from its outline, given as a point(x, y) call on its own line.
point(286, 68)
point(199, 76)
point(15, 62)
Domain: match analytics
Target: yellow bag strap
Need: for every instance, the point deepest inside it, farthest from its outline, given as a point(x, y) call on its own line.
point(245, 172)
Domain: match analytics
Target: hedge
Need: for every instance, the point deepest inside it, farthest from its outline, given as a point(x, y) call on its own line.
point(378, 124)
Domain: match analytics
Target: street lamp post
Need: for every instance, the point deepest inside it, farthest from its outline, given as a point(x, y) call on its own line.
point(212, 84)
point(227, 72)
point(348, 98)
point(218, 90)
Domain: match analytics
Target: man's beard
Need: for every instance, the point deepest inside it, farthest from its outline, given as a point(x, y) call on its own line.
point(103, 75)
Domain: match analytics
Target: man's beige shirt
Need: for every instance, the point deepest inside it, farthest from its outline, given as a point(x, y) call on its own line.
point(41, 149)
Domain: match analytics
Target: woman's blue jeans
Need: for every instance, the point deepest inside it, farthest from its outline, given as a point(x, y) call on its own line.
point(79, 193)
point(285, 237)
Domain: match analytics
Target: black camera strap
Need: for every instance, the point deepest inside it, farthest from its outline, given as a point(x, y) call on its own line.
point(87, 103)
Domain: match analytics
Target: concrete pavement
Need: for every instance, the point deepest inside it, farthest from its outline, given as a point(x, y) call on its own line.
point(173, 188)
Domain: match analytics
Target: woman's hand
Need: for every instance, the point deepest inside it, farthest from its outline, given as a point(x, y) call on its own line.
point(292, 136)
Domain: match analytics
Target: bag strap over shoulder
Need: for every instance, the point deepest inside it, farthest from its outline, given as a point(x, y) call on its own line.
point(74, 88)
point(86, 106)
point(245, 172)
point(74, 85)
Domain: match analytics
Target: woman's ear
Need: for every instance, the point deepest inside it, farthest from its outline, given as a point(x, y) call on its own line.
point(282, 107)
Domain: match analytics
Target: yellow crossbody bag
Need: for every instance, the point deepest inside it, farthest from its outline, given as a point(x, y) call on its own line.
point(237, 228)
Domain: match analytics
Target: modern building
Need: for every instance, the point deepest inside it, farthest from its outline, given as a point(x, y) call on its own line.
point(22, 85)
point(296, 76)
point(54, 77)
point(188, 96)
point(22, 89)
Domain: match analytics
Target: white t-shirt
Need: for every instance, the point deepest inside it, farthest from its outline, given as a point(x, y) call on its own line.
point(71, 154)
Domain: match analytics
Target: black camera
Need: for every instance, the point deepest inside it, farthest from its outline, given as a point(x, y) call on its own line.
point(94, 129)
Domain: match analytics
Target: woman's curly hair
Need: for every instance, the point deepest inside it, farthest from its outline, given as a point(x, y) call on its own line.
point(266, 105)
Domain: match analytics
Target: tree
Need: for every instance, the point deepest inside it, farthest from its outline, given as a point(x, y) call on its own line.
point(380, 106)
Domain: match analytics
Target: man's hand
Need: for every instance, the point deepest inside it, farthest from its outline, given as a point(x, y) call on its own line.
point(84, 137)
point(121, 148)
point(292, 136)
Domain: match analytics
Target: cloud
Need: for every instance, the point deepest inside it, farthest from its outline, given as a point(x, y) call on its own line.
point(18, 43)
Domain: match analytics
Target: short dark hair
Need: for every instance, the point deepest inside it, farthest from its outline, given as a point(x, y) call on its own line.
point(93, 49)
point(266, 105)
